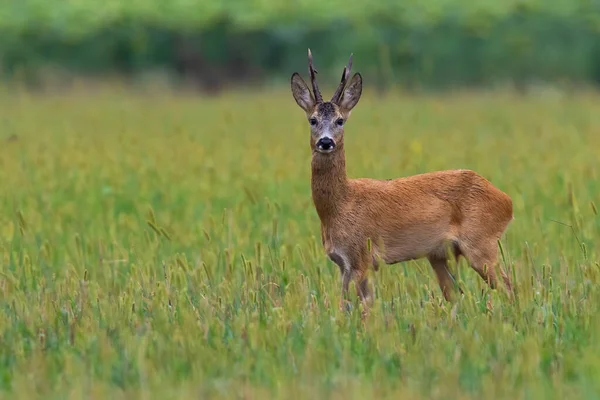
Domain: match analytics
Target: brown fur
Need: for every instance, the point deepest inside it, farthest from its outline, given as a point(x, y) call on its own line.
point(404, 219)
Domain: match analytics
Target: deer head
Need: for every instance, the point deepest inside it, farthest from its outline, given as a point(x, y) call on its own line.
point(327, 118)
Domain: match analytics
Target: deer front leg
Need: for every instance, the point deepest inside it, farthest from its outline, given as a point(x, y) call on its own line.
point(346, 272)
point(346, 277)
point(363, 289)
point(445, 279)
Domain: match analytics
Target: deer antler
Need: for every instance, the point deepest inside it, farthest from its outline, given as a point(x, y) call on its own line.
point(337, 96)
point(313, 80)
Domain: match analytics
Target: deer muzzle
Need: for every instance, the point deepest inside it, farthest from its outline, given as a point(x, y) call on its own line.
point(325, 144)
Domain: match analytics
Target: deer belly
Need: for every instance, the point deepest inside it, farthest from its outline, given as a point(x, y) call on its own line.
point(410, 245)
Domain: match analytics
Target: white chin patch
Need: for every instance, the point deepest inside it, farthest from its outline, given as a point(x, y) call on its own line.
point(321, 150)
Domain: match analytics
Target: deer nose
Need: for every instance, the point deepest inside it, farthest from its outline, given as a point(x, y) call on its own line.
point(325, 143)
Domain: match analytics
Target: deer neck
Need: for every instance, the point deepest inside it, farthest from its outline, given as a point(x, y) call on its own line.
point(329, 182)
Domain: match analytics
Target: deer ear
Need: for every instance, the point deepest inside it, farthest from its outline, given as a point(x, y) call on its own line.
point(351, 94)
point(302, 94)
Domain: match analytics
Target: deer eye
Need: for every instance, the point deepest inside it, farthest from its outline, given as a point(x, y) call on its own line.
point(313, 121)
point(339, 122)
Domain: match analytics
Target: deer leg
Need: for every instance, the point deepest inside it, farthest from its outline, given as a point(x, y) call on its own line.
point(363, 289)
point(445, 279)
point(346, 273)
point(346, 277)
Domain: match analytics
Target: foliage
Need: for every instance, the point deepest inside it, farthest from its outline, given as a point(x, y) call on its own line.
point(166, 246)
point(432, 43)
point(75, 18)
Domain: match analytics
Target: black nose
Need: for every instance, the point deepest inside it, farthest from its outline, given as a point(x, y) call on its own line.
point(325, 143)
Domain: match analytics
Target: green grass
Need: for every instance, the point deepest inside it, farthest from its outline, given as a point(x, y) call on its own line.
point(164, 246)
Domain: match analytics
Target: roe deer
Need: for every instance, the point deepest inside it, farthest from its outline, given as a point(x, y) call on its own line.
point(364, 220)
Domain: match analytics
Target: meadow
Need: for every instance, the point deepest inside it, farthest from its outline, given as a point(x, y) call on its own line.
point(165, 245)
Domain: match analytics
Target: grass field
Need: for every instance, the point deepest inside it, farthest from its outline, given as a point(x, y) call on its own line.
point(165, 246)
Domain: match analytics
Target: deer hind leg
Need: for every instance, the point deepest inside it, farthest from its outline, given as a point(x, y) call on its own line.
point(483, 258)
point(445, 279)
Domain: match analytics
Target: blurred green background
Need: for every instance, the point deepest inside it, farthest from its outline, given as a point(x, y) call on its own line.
point(431, 44)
